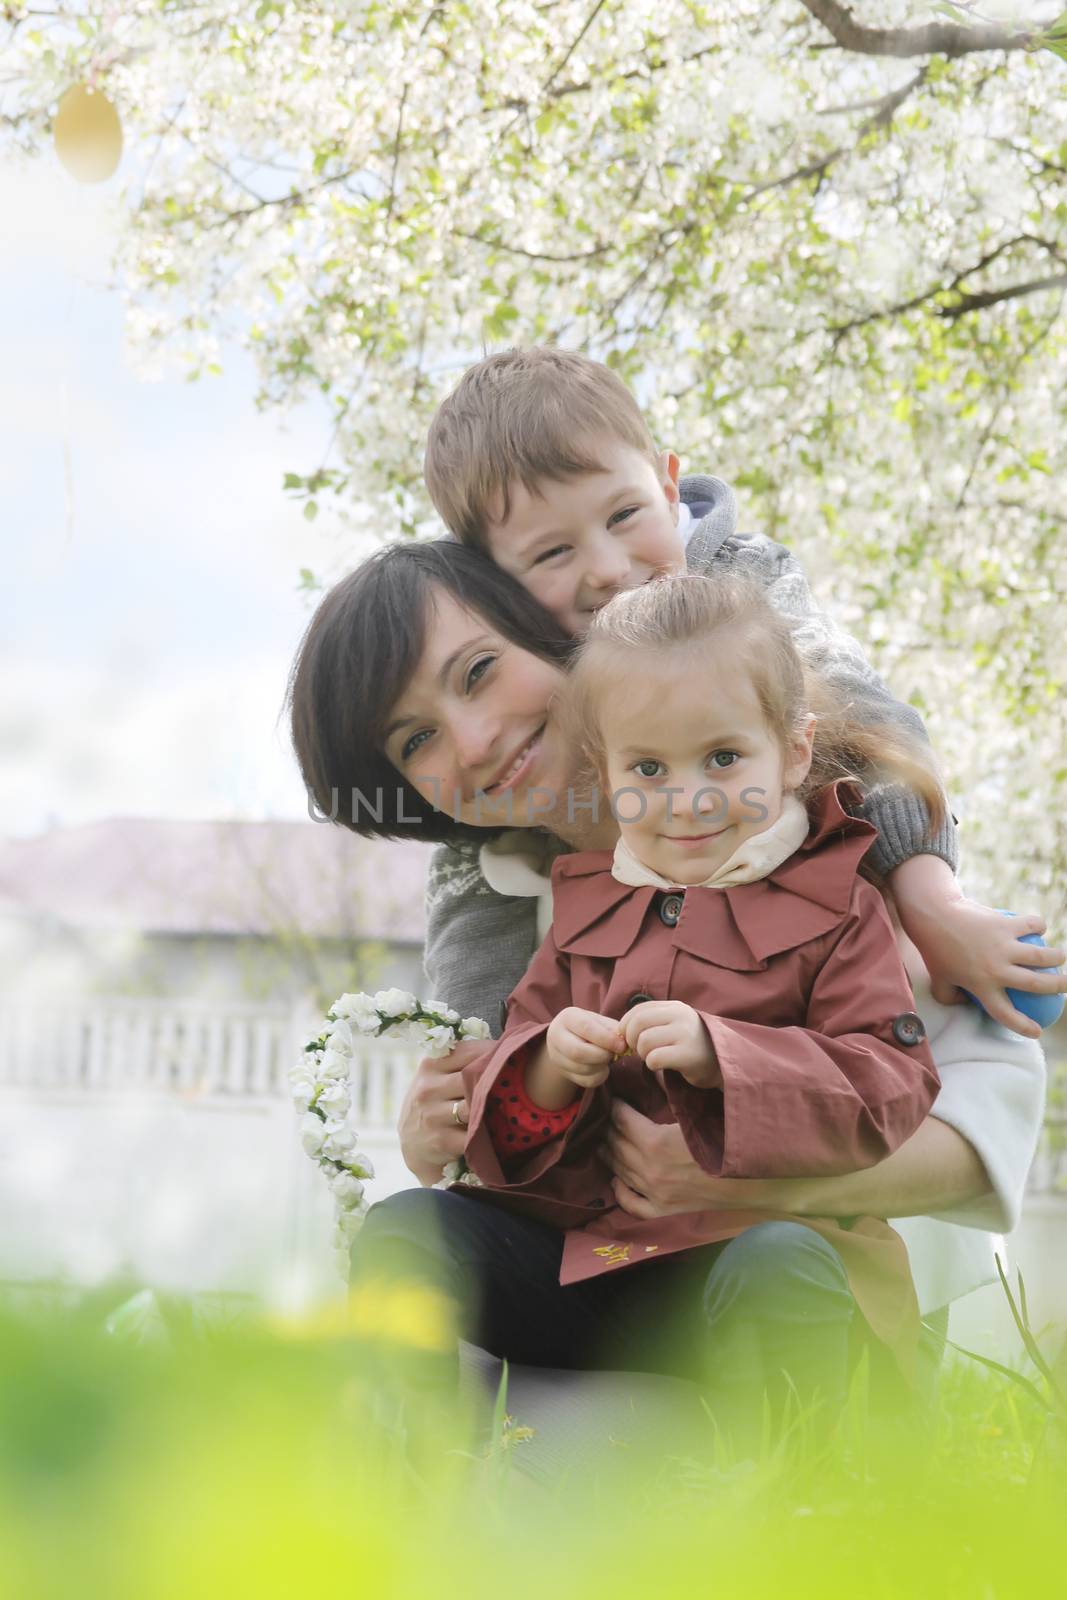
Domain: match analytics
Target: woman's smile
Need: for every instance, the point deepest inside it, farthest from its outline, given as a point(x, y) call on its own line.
point(473, 730)
point(518, 769)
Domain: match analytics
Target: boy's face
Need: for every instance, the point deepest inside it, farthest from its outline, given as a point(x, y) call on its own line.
point(576, 543)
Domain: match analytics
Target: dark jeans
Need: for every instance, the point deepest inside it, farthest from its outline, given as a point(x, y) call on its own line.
point(768, 1314)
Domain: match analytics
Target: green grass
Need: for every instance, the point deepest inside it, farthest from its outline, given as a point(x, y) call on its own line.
point(254, 1462)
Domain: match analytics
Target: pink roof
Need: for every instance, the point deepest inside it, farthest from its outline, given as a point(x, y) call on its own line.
point(219, 877)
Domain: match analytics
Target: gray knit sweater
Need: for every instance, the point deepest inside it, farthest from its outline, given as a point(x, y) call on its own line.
point(479, 942)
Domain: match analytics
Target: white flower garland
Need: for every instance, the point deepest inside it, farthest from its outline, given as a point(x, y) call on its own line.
point(322, 1090)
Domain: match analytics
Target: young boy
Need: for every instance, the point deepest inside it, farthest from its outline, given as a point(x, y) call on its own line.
point(541, 459)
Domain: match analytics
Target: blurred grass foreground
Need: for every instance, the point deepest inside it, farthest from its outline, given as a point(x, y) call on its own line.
point(151, 1451)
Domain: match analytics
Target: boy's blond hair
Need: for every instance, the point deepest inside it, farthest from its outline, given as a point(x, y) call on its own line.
point(523, 416)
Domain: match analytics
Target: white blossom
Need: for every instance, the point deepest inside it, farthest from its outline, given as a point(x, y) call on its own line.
point(335, 1098)
point(340, 1037)
point(441, 1010)
point(439, 1041)
point(347, 1190)
point(394, 1002)
point(349, 1221)
point(302, 1090)
point(334, 1065)
point(359, 1011)
point(474, 1028)
point(312, 1133)
point(338, 1139)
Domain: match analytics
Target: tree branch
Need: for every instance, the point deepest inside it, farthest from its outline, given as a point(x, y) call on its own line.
point(575, 42)
point(532, 255)
point(884, 110)
point(936, 38)
point(991, 297)
point(966, 302)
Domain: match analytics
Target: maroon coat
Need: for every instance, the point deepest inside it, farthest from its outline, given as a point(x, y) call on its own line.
point(800, 984)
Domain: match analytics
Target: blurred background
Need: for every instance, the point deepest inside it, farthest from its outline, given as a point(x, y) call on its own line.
point(832, 266)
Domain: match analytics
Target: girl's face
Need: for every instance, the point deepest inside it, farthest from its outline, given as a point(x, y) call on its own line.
point(692, 767)
point(473, 730)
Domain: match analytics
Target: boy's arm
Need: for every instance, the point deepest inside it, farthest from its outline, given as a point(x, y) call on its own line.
point(964, 944)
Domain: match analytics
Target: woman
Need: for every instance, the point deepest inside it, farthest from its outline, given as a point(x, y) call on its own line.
point(422, 704)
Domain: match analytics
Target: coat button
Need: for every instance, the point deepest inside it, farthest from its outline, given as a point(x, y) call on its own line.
point(908, 1028)
point(598, 1203)
point(671, 909)
point(637, 1000)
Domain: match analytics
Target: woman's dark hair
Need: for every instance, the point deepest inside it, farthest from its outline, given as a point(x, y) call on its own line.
point(357, 657)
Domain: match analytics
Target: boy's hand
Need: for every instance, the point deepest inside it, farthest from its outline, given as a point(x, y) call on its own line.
point(670, 1034)
point(967, 944)
point(971, 946)
point(582, 1045)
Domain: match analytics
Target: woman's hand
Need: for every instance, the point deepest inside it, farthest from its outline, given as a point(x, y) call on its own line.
point(433, 1118)
point(655, 1175)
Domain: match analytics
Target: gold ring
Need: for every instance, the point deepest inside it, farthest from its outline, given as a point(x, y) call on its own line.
point(455, 1113)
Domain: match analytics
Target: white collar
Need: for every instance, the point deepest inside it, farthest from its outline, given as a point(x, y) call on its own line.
point(754, 857)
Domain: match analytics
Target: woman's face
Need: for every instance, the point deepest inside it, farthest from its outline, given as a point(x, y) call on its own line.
point(473, 730)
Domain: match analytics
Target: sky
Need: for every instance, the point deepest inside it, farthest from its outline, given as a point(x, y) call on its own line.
point(150, 606)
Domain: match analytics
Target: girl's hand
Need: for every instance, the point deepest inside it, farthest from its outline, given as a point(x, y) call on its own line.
point(430, 1134)
point(670, 1034)
point(581, 1045)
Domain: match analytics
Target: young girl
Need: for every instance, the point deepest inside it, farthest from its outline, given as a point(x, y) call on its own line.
point(729, 966)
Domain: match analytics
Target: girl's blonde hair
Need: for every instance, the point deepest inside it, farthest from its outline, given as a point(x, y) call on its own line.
point(688, 615)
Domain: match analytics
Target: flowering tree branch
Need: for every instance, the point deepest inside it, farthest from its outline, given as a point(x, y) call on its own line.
point(934, 38)
point(857, 323)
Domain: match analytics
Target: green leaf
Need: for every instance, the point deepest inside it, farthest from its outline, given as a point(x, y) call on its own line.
point(311, 510)
point(1057, 29)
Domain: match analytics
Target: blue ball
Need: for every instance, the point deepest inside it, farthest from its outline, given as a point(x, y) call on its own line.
point(1044, 1009)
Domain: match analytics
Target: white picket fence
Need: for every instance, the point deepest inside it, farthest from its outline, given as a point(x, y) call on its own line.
point(188, 1049)
point(158, 1140)
point(235, 1054)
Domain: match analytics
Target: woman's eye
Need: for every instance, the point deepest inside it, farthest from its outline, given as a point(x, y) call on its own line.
point(731, 756)
point(474, 675)
point(412, 744)
point(639, 767)
point(546, 555)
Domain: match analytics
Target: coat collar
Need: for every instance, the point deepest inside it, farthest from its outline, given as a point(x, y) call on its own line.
point(739, 927)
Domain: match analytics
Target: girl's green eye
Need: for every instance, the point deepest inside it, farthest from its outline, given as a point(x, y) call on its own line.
point(731, 753)
point(649, 763)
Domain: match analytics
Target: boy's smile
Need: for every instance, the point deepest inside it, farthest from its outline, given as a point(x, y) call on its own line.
point(576, 543)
